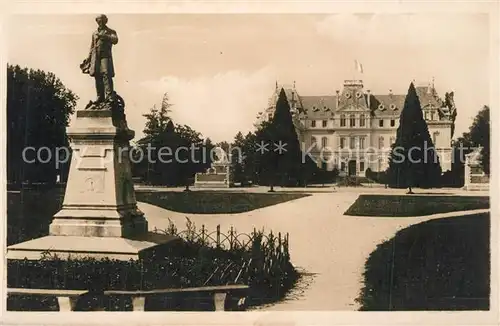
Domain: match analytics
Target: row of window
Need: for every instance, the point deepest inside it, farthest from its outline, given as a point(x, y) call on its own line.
point(429, 115)
point(352, 142)
point(352, 122)
point(343, 166)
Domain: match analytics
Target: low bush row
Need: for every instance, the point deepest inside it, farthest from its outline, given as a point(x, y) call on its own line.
point(263, 264)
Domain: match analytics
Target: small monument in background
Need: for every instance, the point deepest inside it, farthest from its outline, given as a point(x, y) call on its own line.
point(218, 175)
point(475, 177)
point(99, 217)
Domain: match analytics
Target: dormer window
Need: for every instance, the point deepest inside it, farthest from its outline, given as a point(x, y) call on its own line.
point(358, 94)
point(393, 106)
point(348, 95)
point(381, 107)
point(325, 108)
point(315, 109)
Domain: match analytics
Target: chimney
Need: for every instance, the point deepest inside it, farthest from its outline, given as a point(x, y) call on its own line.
point(368, 98)
point(338, 98)
point(390, 92)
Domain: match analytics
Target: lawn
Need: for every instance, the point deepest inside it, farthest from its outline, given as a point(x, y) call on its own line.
point(442, 264)
point(30, 212)
point(414, 205)
point(213, 202)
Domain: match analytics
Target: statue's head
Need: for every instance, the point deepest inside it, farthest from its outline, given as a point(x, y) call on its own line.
point(101, 20)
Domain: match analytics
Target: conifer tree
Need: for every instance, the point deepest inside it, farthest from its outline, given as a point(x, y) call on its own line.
point(413, 161)
point(282, 163)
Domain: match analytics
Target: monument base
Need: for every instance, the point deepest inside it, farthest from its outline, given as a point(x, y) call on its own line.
point(118, 248)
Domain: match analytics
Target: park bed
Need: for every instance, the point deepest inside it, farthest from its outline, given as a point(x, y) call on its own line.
point(441, 264)
point(215, 202)
point(414, 205)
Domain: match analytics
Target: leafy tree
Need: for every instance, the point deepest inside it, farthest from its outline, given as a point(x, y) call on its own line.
point(249, 160)
point(479, 135)
point(413, 161)
point(38, 111)
point(189, 156)
point(237, 159)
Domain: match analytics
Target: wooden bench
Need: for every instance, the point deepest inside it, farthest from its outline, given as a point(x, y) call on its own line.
point(67, 298)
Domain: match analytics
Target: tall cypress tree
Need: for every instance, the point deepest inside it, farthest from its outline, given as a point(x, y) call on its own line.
point(282, 163)
point(413, 161)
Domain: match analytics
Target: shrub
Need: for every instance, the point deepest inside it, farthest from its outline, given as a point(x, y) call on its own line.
point(349, 181)
point(378, 177)
point(262, 262)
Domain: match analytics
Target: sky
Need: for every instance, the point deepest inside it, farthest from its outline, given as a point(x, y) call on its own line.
point(219, 70)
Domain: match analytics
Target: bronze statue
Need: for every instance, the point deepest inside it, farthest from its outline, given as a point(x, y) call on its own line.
point(99, 63)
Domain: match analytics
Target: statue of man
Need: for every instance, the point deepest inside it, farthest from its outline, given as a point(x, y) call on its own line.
point(99, 63)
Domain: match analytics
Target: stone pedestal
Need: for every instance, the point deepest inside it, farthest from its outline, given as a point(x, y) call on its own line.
point(100, 199)
point(99, 216)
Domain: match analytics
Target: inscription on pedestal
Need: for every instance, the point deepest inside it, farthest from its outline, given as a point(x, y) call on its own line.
point(94, 183)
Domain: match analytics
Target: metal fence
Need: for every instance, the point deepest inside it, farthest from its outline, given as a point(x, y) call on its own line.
point(265, 254)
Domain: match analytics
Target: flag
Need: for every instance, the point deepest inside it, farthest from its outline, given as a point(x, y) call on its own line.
point(358, 66)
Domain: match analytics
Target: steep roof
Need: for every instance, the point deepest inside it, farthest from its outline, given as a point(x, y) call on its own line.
point(387, 104)
point(291, 95)
point(324, 106)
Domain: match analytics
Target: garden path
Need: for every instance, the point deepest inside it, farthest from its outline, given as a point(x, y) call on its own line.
point(323, 242)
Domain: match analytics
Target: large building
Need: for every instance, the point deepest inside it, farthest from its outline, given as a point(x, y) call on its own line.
point(354, 129)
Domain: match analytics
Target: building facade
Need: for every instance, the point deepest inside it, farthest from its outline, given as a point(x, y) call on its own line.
point(353, 130)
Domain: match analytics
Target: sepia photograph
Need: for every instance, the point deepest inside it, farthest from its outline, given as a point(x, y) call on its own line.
point(251, 162)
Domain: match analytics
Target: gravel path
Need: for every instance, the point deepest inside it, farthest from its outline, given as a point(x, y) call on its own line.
point(323, 242)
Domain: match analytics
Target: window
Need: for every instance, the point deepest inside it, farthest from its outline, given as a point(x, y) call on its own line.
point(434, 137)
point(324, 166)
point(393, 122)
point(313, 141)
point(392, 140)
point(352, 120)
point(313, 123)
point(342, 166)
point(432, 115)
point(426, 115)
point(381, 123)
point(342, 120)
point(381, 142)
point(342, 142)
point(324, 123)
point(361, 166)
point(324, 142)
point(476, 170)
point(269, 116)
point(362, 120)
point(361, 142)
point(352, 143)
